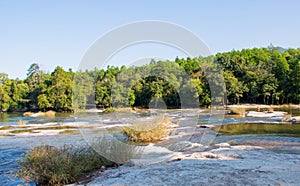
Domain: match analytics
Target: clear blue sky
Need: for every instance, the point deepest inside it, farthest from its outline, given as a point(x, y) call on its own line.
point(58, 32)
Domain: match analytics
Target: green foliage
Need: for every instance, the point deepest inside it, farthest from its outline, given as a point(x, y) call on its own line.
point(60, 91)
point(234, 87)
point(83, 89)
point(262, 76)
point(43, 102)
point(104, 84)
point(5, 99)
point(34, 80)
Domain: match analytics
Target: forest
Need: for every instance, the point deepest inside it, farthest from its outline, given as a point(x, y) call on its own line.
point(259, 75)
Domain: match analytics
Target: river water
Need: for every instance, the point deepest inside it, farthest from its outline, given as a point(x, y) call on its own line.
point(12, 148)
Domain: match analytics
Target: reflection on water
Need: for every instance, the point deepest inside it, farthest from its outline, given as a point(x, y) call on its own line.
point(4, 117)
point(14, 118)
point(291, 111)
point(280, 138)
point(260, 128)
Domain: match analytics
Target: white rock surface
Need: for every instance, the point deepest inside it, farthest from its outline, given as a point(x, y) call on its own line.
point(237, 165)
point(265, 114)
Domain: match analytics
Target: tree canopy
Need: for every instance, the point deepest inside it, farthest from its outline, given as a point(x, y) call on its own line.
point(258, 75)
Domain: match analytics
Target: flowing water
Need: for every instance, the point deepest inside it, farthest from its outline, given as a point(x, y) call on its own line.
point(266, 132)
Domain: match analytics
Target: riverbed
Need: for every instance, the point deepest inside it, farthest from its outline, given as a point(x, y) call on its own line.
point(193, 134)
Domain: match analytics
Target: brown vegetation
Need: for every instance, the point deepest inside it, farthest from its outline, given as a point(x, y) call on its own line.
point(49, 114)
point(148, 131)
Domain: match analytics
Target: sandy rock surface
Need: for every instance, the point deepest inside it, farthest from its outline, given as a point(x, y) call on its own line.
point(225, 165)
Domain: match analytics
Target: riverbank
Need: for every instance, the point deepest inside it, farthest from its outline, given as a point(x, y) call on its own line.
point(256, 107)
point(262, 106)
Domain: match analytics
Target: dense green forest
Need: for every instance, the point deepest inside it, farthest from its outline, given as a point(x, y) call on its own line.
point(258, 75)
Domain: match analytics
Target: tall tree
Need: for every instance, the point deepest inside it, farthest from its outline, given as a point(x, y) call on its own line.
point(5, 99)
point(60, 90)
point(34, 80)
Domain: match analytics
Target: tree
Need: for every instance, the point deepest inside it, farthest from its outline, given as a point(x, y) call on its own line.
point(104, 85)
point(258, 75)
point(34, 80)
point(18, 93)
point(83, 90)
point(43, 102)
point(5, 99)
point(60, 90)
point(234, 87)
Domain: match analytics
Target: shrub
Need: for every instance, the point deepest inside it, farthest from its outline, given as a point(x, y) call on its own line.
point(109, 109)
point(57, 166)
point(148, 131)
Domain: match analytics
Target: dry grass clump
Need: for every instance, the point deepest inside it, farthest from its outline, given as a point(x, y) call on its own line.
point(68, 132)
point(28, 113)
point(21, 131)
point(270, 110)
point(5, 127)
point(49, 114)
point(148, 131)
point(48, 165)
point(7, 135)
point(56, 127)
point(238, 111)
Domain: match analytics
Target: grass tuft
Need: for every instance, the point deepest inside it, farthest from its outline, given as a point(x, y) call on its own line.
point(5, 127)
point(68, 132)
point(49, 165)
point(148, 131)
point(115, 150)
point(55, 128)
point(20, 131)
point(7, 135)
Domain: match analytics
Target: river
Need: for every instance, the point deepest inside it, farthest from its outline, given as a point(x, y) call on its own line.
point(12, 148)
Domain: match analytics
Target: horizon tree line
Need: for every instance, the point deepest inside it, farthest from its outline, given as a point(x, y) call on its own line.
point(258, 75)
